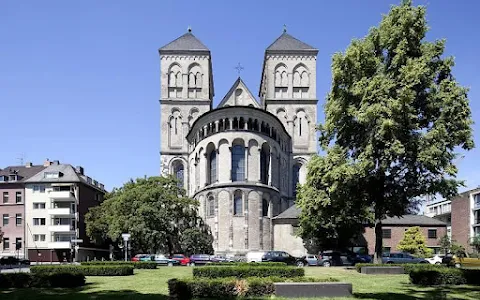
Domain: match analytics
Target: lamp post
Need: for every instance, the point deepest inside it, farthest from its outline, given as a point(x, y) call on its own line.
point(126, 237)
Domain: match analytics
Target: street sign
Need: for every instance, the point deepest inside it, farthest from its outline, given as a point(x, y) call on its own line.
point(126, 236)
point(77, 241)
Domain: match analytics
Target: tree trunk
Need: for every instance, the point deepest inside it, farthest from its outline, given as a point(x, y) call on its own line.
point(378, 242)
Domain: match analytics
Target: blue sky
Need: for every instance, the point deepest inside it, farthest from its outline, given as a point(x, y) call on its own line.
point(79, 80)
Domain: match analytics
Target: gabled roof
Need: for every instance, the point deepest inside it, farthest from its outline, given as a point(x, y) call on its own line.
point(246, 97)
point(291, 213)
point(287, 43)
point(23, 172)
point(187, 42)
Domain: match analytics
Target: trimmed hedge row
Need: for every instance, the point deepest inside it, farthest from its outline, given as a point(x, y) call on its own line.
point(252, 264)
point(102, 270)
point(53, 280)
point(135, 264)
point(407, 267)
point(442, 276)
point(247, 271)
point(219, 288)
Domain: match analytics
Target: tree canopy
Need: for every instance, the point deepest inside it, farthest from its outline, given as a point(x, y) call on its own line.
point(394, 120)
point(154, 210)
point(414, 242)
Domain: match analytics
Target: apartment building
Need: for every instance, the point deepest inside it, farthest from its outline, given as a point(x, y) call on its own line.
point(441, 210)
point(58, 198)
point(12, 208)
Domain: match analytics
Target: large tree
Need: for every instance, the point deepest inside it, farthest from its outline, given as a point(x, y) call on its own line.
point(155, 211)
point(414, 242)
point(394, 120)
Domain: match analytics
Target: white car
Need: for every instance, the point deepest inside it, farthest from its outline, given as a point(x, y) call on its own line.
point(436, 260)
point(255, 256)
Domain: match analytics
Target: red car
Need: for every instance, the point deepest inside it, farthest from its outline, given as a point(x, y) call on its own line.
point(182, 259)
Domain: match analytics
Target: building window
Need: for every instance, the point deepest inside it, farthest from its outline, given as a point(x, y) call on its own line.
point(238, 163)
point(6, 217)
point(387, 233)
point(51, 175)
point(18, 197)
point(264, 166)
point(18, 219)
point(476, 201)
point(38, 221)
point(386, 250)
point(178, 171)
point(39, 188)
point(6, 244)
point(264, 208)
point(211, 206)
point(39, 237)
point(432, 233)
point(237, 204)
point(295, 178)
point(213, 166)
point(18, 243)
point(39, 205)
point(5, 197)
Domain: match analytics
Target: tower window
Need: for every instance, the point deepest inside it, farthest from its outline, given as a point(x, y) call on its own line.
point(264, 208)
point(295, 178)
point(179, 174)
point(238, 163)
point(237, 204)
point(210, 206)
point(213, 166)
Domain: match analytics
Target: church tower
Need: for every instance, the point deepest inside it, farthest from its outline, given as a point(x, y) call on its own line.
point(288, 90)
point(186, 93)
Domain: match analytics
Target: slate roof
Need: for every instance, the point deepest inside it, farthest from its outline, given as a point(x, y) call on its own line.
point(407, 220)
point(287, 43)
point(23, 172)
point(187, 42)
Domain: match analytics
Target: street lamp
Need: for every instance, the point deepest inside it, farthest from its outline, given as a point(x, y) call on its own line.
point(126, 237)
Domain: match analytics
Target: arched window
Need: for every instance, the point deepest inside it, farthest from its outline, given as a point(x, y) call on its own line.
point(295, 178)
point(237, 204)
point(264, 208)
point(238, 163)
point(179, 172)
point(174, 81)
point(264, 166)
point(213, 166)
point(210, 206)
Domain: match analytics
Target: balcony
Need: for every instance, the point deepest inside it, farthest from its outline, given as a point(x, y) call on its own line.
point(61, 228)
point(60, 245)
point(61, 195)
point(66, 211)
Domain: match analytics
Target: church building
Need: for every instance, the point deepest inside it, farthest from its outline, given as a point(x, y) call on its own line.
point(242, 159)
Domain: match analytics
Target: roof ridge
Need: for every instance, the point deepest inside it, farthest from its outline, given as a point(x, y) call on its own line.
point(287, 42)
point(186, 42)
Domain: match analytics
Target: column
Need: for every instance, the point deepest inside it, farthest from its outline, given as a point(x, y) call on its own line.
point(216, 125)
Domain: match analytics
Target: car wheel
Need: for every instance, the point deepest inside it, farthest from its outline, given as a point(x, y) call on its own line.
point(389, 262)
point(170, 264)
point(457, 265)
point(326, 263)
point(300, 264)
point(438, 263)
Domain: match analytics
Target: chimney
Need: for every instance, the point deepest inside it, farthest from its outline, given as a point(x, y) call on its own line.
point(79, 170)
point(47, 163)
point(28, 165)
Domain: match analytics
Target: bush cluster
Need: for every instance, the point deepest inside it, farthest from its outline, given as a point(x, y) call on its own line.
point(247, 271)
point(442, 276)
point(135, 264)
point(53, 280)
point(251, 264)
point(406, 267)
point(100, 270)
point(229, 287)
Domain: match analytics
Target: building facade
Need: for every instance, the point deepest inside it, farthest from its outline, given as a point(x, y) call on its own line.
point(12, 208)
point(243, 159)
point(57, 199)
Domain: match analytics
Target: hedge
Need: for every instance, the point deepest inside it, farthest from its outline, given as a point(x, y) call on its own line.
point(406, 267)
point(247, 271)
point(135, 264)
point(26, 280)
point(101, 270)
point(442, 276)
point(184, 289)
point(251, 264)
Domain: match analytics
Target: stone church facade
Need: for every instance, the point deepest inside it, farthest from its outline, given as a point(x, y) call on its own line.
point(243, 159)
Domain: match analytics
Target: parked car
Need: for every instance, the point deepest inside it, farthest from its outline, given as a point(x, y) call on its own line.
point(402, 258)
point(254, 256)
point(460, 261)
point(161, 259)
point(139, 257)
point(199, 259)
point(312, 260)
point(341, 258)
point(182, 259)
point(216, 259)
point(436, 260)
point(11, 260)
point(282, 256)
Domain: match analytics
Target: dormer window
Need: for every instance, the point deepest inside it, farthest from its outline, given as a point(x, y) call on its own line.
point(52, 175)
point(3, 178)
point(13, 177)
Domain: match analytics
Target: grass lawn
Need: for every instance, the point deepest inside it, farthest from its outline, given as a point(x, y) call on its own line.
point(152, 284)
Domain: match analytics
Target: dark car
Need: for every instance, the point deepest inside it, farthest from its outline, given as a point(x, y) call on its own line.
point(200, 259)
point(10, 261)
point(341, 258)
point(282, 256)
point(402, 258)
point(220, 259)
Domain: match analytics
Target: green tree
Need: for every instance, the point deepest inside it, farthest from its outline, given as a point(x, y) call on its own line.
point(445, 243)
point(475, 243)
point(155, 211)
point(394, 120)
point(414, 242)
point(196, 240)
point(457, 249)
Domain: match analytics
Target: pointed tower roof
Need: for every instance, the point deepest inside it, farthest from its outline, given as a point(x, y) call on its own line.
point(245, 97)
point(287, 43)
point(186, 43)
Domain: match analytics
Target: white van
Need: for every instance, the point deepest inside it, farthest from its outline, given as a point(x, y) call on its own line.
point(255, 256)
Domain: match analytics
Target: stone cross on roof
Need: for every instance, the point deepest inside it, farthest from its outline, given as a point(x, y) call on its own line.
point(239, 69)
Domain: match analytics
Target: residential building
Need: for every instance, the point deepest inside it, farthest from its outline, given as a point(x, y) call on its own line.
point(243, 159)
point(441, 210)
point(12, 210)
point(57, 199)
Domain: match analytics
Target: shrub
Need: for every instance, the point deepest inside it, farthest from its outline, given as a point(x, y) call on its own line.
point(437, 277)
point(246, 271)
point(26, 280)
point(406, 267)
point(243, 264)
point(100, 270)
point(229, 287)
point(135, 264)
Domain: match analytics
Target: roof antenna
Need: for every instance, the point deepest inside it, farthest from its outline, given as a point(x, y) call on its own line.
point(189, 28)
point(20, 159)
point(284, 28)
